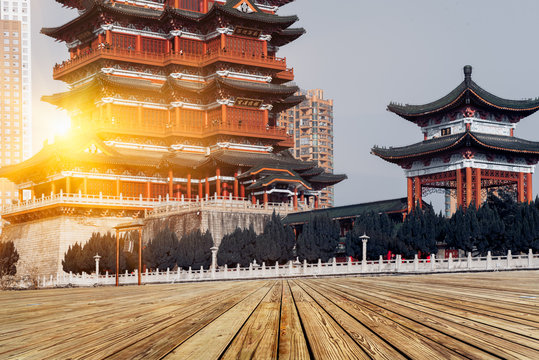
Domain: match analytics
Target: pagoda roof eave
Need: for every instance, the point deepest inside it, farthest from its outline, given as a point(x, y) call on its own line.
point(94, 7)
point(431, 147)
point(286, 36)
point(279, 178)
point(73, 4)
point(242, 159)
point(327, 179)
point(467, 92)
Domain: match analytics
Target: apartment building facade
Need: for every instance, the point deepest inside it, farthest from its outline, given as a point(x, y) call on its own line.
point(311, 125)
point(16, 90)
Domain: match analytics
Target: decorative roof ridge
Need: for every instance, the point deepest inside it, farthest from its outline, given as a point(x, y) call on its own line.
point(469, 89)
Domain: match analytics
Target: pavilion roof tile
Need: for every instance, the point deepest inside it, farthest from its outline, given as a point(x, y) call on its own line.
point(286, 36)
point(249, 159)
point(279, 178)
point(467, 92)
point(350, 211)
point(500, 143)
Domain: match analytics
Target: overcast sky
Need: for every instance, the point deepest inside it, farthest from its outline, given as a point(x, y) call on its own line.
point(364, 54)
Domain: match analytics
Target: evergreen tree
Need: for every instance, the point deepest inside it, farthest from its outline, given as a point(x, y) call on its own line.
point(8, 259)
point(419, 232)
point(72, 259)
point(237, 248)
point(381, 231)
point(161, 252)
point(195, 250)
point(319, 239)
point(276, 243)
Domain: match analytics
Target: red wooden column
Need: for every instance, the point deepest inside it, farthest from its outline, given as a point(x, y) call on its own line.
point(296, 199)
point(200, 190)
point(265, 197)
point(242, 191)
point(520, 189)
point(189, 185)
point(316, 202)
point(207, 187)
point(477, 188)
point(410, 194)
point(459, 188)
point(218, 181)
point(468, 186)
point(170, 184)
point(529, 188)
point(178, 191)
point(253, 199)
point(236, 183)
point(138, 43)
point(225, 190)
point(148, 190)
point(118, 187)
point(418, 194)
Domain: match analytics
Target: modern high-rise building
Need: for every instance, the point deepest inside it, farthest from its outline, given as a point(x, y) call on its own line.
point(16, 92)
point(311, 125)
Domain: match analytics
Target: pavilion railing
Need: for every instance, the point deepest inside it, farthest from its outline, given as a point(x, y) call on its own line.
point(296, 269)
point(162, 59)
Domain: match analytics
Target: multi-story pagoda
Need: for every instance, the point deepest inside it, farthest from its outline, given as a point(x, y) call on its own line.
point(170, 101)
point(469, 146)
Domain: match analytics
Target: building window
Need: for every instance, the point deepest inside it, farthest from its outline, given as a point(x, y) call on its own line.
point(446, 131)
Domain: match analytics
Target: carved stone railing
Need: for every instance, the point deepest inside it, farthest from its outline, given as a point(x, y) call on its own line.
point(297, 269)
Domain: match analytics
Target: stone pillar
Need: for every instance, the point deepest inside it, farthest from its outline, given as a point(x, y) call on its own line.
point(364, 240)
point(418, 195)
point(477, 188)
point(410, 194)
point(459, 187)
point(218, 181)
point(214, 257)
point(97, 257)
point(529, 188)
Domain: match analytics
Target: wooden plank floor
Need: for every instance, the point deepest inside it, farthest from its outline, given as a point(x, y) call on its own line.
point(452, 316)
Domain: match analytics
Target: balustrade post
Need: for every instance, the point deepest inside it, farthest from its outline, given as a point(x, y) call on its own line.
point(168, 274)
point(349, 264)
point(509, 258)
point(263, 269)
point(397, 263)
point(450, 261)
point(530, 258)
point(416, 263)
point(251, 270)
point(290, 267)
point(304, 266)
point(226, 271)
point(380, 263)
point(277, 268)
point(189, 273)
point(334, 265)
point(489, 260)
point(433, 262)
point(320, 266)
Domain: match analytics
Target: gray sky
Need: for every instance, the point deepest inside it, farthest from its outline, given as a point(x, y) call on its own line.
point(365, 54)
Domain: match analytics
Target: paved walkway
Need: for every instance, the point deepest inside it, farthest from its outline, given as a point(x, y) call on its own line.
point(481, 316)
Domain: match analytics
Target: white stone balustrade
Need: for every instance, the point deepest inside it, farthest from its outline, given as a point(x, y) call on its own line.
point(296, 269)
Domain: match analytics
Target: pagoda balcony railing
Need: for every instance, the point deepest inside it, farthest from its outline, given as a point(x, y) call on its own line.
point(151, 206)
point(157, 59)
point(193, 130)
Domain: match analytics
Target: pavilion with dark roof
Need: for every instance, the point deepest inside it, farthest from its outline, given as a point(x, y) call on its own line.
point(469, 146)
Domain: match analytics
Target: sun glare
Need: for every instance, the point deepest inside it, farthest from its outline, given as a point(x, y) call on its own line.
point(61, 126)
